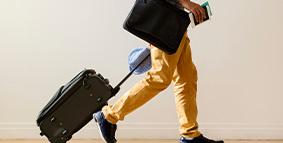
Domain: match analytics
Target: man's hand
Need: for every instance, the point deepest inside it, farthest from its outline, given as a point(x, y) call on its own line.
point(196, 9)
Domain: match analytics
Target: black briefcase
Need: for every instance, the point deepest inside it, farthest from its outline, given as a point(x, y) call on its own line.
point(159, 23)
point(73, 105)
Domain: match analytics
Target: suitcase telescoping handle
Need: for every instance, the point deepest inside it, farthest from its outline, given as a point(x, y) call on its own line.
point(117, 88)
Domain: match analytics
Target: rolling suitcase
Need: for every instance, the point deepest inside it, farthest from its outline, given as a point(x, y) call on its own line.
point(73, 105)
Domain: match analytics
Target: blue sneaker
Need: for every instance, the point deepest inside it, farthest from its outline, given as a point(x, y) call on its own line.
point(107, 130)
point(199, 139)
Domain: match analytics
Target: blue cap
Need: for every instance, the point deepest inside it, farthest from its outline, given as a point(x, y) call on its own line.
point(136, 56)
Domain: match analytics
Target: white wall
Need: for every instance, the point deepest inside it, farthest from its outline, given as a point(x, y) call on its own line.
point(44, 43)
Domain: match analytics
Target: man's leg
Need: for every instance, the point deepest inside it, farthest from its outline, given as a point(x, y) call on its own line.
point(157, 79)
point(185, 88)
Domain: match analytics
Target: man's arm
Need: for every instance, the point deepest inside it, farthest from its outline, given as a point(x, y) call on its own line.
point(195, 8)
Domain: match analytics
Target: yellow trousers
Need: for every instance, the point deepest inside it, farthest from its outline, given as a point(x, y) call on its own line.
point(178, 67)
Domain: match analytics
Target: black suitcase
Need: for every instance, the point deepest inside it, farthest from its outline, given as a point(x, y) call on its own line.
point(73, 105)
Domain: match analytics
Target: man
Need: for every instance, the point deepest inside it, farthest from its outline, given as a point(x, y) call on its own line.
point(178, 67)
